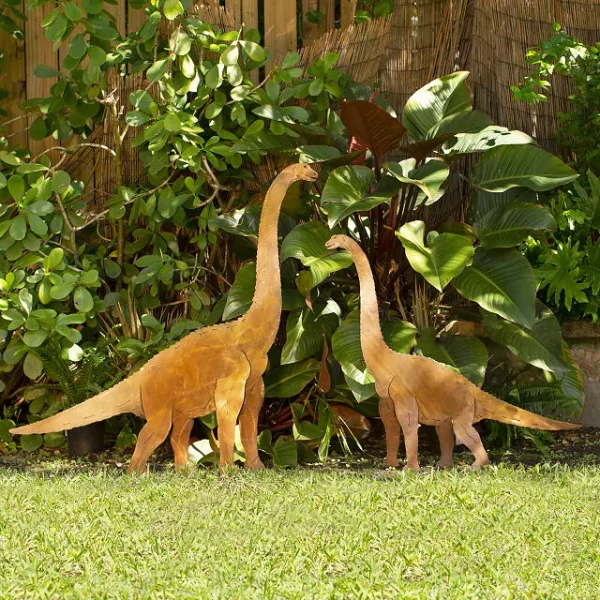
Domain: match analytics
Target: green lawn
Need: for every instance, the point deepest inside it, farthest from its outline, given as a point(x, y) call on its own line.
point(507, 532)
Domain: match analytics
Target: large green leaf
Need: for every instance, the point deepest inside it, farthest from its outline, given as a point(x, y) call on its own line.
point(486, 139)
point(306, 331)
point(468, 355)
point(289, 380)
point(345, 191)
point(522, 165)
point(444, 257)
point(429, 177)
point(571, 382)
point(502, 282)
point(240, 295)
point(540, 346)
point(507, 226)
point(483, 202)
point(435, 101)
point(306, 242)
point(345, 343)
point(242, 222)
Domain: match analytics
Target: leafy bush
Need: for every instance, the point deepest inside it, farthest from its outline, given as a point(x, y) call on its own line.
point(569, 57)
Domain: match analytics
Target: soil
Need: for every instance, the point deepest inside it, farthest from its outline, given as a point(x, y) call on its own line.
point(571, 448)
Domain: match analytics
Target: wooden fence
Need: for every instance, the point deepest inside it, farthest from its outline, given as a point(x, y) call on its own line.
point(279, 22)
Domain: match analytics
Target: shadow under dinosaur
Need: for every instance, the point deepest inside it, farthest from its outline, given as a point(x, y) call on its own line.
point(415, 389)
point(217, 368)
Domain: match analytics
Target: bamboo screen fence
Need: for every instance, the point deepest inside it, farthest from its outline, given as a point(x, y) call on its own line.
point(489, 38)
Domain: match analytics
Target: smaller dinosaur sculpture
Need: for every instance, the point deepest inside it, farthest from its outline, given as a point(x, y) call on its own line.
point(215, 368)
point(415, 389)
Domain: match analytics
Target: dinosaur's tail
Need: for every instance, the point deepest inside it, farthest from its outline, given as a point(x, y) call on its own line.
point(122, 398)
point(488, 407)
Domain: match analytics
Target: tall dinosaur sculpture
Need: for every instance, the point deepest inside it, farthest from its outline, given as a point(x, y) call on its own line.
point(415, 389)
point(215, 368)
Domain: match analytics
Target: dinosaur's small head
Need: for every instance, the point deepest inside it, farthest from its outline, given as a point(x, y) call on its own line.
point(304, 172)
point(337, 241)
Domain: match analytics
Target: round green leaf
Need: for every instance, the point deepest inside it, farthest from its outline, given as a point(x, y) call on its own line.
point(18, 228)
point(34, 339)
point(93, 7)
point(54, 439)
point(445, 256)
point(37, 130)
point(61, 291)
point(16, 187)
point(73, 12)
point(37, 224)
point(31, 443)
point(32, 366)
point(96, 55)
point(45, 72)
point(254, 51)
point(83, 300)
point(78, 47)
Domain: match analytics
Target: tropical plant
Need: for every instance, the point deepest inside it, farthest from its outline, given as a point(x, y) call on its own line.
point(566, 55)
point(567, 261)
point(151, 261)
point(416, 253)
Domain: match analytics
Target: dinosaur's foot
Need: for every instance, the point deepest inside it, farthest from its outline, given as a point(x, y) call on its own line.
point(444, 464)
point(184, 468)
point(392, 463)
point(479, 464)
point(256, 465)
point(411, 467)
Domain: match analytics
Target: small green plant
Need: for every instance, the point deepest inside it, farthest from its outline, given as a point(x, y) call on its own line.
point(567, 260)
point(569, 57)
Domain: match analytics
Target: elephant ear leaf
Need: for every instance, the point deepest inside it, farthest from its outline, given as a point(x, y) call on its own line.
point(468, 355)
point(442, 259)
point(524, 165)
point(500, 281)
point(306, 242)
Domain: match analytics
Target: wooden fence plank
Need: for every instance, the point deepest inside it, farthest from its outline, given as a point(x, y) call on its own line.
point(12, 78)
point(347, 14)
point(136, 17)
point(310, 31)
point(280, 27)
point(235, 8)
point(327, 8)
point(250, 14)
point(118, 11)
point(38, 51)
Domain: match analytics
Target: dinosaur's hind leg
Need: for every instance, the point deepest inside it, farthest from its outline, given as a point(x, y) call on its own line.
point(407, 413)
point(392, 430)
point(180, 439)
point(444, 433)
point(249, 424)
point(467, 435)
point(152, 435)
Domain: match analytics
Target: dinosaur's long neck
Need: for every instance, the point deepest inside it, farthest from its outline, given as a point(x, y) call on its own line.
point(371, 338)
point(264, 314)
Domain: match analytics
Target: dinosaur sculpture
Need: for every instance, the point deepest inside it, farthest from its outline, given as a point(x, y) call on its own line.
point(215, 368)
point(415, 389)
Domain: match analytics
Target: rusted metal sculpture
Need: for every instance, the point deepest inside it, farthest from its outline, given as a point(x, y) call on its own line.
point(216, 368)
point(415, 389)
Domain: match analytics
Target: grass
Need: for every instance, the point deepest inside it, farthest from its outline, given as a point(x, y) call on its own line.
point(69, 531)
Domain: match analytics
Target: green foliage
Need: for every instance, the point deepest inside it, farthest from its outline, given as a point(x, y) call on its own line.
point(579, 62)
point(567, 261)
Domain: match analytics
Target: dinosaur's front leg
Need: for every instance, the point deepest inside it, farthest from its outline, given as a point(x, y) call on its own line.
point(229, 397)
point(444, 433)
point(392, 430)
point(249, 424)
point(180, 439)
point(407, 412)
